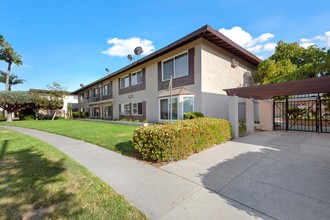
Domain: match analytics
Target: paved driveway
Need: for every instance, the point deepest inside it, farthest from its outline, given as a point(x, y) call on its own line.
point(281, 175)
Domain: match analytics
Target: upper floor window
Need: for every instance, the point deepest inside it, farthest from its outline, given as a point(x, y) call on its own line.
point(106, 89)
point(176, 66)
point(136, 78)
point(124, 82)
point(96, 91)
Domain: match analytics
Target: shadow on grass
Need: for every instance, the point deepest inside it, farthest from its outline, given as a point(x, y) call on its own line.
point(31, 185)
point(126, 148)
point(4, 147)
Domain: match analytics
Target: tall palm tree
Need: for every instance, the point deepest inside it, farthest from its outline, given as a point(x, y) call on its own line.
point(8, 55)
point(13, 79)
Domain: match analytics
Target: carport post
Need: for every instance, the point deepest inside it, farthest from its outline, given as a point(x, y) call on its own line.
point(233, 115)
point(249, 116)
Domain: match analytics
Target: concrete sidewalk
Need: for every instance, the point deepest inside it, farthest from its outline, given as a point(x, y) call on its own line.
point(264, 176)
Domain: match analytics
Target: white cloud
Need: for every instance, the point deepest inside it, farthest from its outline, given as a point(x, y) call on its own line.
point(27, 66)
point(320, 40)
point(306, 44)
point(269, 47)
point(256, 49)
point(123, 47)
point(259, 45)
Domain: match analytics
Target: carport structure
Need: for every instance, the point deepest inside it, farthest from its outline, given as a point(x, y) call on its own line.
point(265, 93)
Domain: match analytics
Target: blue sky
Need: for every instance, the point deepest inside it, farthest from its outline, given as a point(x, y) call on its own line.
point(72, 42)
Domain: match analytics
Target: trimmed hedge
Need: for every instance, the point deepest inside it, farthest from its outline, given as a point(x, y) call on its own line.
point(192, 115)
point(168, 142)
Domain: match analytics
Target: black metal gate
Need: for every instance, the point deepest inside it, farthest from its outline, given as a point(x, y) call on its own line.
point(301, 114)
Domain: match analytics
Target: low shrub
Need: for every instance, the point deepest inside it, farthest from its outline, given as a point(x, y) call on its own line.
point(29, 117)
point(168, 142)
point(2, 118)
point(59, 118)
point(76, 114)
point(192, 115)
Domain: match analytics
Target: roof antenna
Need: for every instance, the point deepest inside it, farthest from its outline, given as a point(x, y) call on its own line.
point(137, 51)
point(129, 57)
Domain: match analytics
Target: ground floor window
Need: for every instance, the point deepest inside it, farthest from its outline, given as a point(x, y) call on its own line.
point(137, 108)
point(165, 108)
point(125, 109)
point(96, 112)
point(188, 104)
point(107, 111)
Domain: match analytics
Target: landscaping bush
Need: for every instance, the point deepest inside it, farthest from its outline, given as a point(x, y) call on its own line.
point(192, 115)
point(29, 117)
point(76, 114)
point(2, 118)
point(168, 142)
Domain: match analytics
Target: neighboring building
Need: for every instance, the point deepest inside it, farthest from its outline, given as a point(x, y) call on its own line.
point(202, 64)
point(73, 99)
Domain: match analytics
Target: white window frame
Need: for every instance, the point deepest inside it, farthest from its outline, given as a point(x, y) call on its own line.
point(94, 108)
point(124, 81)
point(122, 108)
point(185, 96)
point(96, 91)
point(106, 111)
point(107, 89)
point(173, 57)
point(135, 73)
point(168, 108)
point(137, 103)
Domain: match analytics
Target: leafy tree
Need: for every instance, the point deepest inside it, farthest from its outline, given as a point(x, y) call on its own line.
point(8, 55)
point(13, 79)
point(51, 99)
point(2, 40)
point(291, 62)
point(12, 101)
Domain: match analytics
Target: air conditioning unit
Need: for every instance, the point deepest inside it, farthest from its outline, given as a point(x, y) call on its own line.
point(234, 63)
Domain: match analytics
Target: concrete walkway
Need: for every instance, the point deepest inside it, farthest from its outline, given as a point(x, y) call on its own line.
point(269, 175)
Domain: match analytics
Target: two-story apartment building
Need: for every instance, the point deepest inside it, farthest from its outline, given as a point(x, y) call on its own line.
point(201, 64)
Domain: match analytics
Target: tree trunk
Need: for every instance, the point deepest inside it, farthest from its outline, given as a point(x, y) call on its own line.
point(9, 116)
point(54, 116)
point(8, 76)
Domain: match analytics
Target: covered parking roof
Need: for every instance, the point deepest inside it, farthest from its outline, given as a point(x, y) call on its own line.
point(297, 87)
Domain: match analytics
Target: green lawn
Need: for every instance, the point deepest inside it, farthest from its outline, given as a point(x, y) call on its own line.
point(37, 181)
point(111, 136)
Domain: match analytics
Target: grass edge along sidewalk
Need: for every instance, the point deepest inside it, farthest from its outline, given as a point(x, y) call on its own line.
point(111, 136)
point(37, 181)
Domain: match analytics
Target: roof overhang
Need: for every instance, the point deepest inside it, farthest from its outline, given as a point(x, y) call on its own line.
point(297, 87)
point(175, 92)
point(206, 32)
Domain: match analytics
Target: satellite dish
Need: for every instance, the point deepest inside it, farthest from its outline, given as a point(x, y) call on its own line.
point(107, 70)
point(138, 50)
point(129, 57)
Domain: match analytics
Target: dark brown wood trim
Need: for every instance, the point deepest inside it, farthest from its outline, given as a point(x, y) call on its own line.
point(127, 89)
point(135, 117)
point(142, 85)
point(181, 81)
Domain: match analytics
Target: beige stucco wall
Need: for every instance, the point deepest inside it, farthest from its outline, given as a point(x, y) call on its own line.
point(213, 73)
point(151, 93)
point(266, 115)
point(218, 74)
